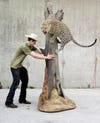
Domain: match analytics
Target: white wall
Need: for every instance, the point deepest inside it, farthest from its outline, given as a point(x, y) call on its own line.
point(79, 67)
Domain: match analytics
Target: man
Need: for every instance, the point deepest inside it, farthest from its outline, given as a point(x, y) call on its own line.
point(19, 72)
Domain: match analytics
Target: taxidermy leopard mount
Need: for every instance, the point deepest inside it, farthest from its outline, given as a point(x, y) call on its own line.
point(59, 32)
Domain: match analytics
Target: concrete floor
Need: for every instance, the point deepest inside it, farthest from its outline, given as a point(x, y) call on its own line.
point(87, 111)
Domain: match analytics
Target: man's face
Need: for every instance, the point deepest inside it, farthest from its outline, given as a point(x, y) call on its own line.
point(32, 42)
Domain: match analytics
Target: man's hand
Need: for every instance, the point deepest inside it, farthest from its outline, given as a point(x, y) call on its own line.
point(50, 56)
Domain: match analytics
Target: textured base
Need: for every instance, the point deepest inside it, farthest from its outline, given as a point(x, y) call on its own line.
point(56, 103)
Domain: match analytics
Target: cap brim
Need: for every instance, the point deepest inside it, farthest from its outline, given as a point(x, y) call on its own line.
point(28, 36)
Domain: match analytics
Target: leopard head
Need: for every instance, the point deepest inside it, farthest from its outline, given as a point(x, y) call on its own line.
point(48, 26)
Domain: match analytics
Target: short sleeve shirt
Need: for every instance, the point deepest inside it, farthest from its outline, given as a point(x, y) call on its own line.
point(20, 55)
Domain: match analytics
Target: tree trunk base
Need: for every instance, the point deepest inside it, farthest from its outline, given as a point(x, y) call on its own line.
point(56, 103)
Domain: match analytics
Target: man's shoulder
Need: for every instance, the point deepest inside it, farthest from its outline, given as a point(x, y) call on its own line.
point(25, 48)
point(23, 45)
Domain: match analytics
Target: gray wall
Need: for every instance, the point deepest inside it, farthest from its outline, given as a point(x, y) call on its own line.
point(79, 67)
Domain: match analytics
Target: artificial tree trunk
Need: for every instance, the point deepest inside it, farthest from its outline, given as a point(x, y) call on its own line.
point(52, 98)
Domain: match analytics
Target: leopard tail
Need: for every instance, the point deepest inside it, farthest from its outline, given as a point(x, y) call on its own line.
point(85, 45)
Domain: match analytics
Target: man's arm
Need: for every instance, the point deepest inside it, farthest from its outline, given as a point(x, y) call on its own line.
point(40, 56)
point(38, 51)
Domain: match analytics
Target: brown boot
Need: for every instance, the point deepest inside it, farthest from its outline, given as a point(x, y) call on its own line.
point(11, 105)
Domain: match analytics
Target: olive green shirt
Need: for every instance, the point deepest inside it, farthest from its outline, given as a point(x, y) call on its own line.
point(20, 55)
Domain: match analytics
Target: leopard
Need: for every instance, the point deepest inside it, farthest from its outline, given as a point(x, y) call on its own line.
point(60, 31)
